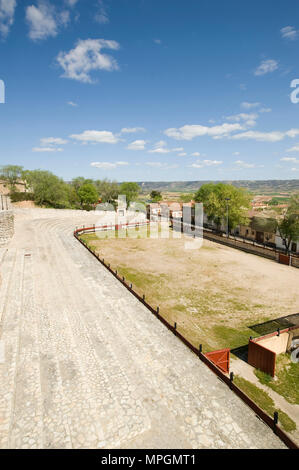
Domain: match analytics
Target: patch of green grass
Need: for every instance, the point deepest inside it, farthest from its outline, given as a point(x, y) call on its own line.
point(287, 378)
point(264, 401)
point(229, 337)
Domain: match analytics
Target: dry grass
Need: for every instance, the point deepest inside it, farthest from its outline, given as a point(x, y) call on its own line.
point(214, 294)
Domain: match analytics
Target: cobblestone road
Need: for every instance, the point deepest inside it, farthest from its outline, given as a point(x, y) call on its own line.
point(87, 366)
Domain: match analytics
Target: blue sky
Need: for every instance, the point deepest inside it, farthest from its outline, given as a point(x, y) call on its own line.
point(150, 90)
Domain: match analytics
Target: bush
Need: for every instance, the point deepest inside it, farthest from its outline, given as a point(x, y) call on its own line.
point(17, 197)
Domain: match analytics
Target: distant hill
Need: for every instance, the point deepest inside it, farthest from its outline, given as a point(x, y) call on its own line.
point(258, 187)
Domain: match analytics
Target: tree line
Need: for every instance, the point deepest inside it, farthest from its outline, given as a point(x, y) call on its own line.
point(47, 189)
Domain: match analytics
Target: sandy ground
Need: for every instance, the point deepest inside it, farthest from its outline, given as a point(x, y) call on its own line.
point(214, 293)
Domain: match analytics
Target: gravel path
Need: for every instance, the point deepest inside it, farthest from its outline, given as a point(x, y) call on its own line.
point(87, 366)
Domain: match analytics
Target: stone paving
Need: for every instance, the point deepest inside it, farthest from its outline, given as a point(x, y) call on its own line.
point(87, 366)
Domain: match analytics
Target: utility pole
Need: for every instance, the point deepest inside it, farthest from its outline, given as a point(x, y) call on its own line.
point(227, 207)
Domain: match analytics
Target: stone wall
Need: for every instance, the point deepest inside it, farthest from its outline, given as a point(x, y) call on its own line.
point(6, 226)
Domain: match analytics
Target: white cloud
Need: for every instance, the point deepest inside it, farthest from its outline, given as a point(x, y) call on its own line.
point(247, 105)
point(101, 15)
point(290, 159)
point(106, 137)
point(44, 20)
point(71, 3)
point(7, 12)
point(72, 103)
point(47, 149)
point(274, 136)
point(108, 165)
point(53, 141)
point(86, 57)
point(265, 110)
point(160, 147)
point(195, 154)
point(203, 163)
point(236, 154)
point(243, 164)
point(132, 130)
point(157, 41)
point(266, 66)
point(178, 149)
point(294, 169)
point(289, 32)
point(248, 119)
point(137, 145)
point(293, 149)
point(164, 166)
point(189, 132)
point(182, 154)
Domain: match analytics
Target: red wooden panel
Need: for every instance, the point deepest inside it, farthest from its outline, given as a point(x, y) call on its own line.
point(261, 358)
point(284, 259)
point(220, 358)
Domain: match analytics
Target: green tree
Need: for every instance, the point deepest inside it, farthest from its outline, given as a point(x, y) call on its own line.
point(108, 190)
point(130, 190)
point(186, 197)
point(221, 199)
point(288, 224)
point(156, 196)
point(88, 194)
point(48, 189)
point(11, 174)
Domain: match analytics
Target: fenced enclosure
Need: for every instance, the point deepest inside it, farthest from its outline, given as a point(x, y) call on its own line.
point(221, 369)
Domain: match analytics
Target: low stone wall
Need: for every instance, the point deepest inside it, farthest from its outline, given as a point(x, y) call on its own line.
point(6, 226)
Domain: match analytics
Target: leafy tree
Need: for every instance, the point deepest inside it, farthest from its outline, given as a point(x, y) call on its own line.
point(156, 196)
point(88, 194)
point(11, 174)
point(108, 190)
point(47, 188)
point(130, 190)
point(217, 198)
point(187, 197)
point(79, 181)
point(288, 224)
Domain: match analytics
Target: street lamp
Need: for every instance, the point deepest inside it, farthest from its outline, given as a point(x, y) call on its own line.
point(227, 199)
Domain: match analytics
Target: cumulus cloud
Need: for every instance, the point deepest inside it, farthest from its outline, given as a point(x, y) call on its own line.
point(189, 132)
point(86, 57)
point(44, 20)
point(289, 32)
point(7, 13)
point(290, 159)
point(132, 130)
point(195, 154)
point(248, 118)
point(137, 145)
point(274, 136)
point(266, 66)
point(105, 137)
point(247, 105)
point(47, 149)
point(203, 163)
point(101, 15)
point(72, 103)
point(53, 141)
point(243, 164)
point(108, 165)
point(294, 149)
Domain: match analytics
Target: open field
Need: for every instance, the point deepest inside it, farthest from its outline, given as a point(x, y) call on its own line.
point(215, 294)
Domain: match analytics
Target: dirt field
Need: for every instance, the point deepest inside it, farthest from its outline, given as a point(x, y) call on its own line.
point(215, 294)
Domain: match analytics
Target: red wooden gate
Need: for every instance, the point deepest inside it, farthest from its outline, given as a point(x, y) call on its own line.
point(284, 259)
point(220, 359)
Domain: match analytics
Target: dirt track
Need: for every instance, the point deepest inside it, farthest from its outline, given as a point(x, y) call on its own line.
point(87, 366)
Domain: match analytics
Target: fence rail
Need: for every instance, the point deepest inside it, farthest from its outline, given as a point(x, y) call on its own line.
point(228, 380)
point(243, 244)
